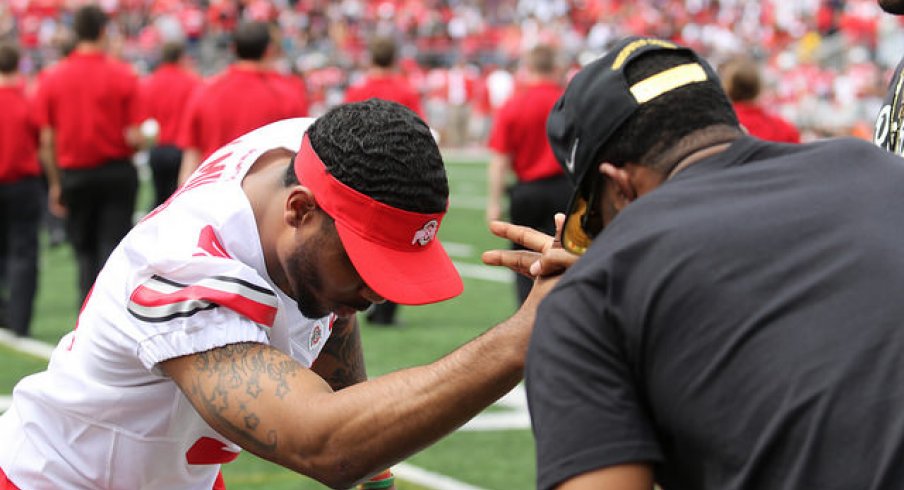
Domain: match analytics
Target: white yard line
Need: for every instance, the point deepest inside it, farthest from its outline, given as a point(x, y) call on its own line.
point(485, 272)
point(27, 345)
point(429, 479)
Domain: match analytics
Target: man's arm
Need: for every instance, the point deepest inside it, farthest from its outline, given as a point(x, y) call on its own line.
point(341, 361)
point(52, 171)
point(621, 477)
point(264, 401)
point(496, 176)
point(191, 158)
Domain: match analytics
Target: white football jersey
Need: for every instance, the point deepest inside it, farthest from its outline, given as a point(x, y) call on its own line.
point(188, 278)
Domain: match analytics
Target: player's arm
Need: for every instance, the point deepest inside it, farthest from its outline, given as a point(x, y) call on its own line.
point(341, 361)
point(496, 178)
point(266, 402)
point(621, 477)
point(51, 171)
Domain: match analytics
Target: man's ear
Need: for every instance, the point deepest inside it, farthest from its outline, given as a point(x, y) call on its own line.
point(620, 182)
point(299, 206)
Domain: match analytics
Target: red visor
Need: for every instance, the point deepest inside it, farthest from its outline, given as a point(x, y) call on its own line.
point(395, 251)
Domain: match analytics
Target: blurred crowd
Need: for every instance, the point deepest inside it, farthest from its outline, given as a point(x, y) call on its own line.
point(825, 62)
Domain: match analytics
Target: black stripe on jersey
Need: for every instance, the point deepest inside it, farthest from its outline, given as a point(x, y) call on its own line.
point(180, 314)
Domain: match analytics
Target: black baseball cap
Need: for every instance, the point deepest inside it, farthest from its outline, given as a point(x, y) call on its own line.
point(597, 101)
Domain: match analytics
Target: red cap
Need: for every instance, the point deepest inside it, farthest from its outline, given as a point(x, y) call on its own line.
point(395, 251)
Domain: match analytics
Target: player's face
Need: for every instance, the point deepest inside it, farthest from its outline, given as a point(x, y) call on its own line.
point(323, 279)
point(892, 6)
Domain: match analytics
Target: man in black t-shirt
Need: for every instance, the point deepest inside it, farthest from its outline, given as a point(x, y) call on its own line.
point(890, 120)
point(734, 322)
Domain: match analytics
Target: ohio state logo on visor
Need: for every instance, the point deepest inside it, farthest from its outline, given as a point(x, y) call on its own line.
point(426, 234)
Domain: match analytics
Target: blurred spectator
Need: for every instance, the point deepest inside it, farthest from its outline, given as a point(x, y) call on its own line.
point(88, 113)
point(383, 81)
point(889, 131)
point(743, 83)
point(520, 147)
point(20, 196)
point(216, 115)
point(458, 87)
point(164, 95)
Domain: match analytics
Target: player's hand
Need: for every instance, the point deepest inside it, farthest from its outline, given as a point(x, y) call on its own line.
point(544, 255)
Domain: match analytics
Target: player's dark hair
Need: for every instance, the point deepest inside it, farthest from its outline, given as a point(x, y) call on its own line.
point(172, 52)
point(251, 40)
point(383, 52)
point(671, 122)
point(384, 150)
point(9, 58)
point(88, 23)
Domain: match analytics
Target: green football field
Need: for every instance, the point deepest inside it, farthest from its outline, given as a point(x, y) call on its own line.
point(494, 456)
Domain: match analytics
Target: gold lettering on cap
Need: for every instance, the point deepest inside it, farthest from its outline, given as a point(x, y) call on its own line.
point(666, 81)
point(634, 46)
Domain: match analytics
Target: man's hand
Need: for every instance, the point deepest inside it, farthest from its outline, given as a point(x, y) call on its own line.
point(55, 201)
point(544, 255)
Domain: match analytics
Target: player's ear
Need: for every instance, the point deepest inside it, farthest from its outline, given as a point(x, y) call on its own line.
point(299, 206)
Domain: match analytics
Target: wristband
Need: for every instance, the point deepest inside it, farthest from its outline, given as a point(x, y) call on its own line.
point(380, 481)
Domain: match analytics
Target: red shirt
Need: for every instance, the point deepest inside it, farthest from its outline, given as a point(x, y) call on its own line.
point(519, 131)
point(764, 125)
point(18, 137)
point(391, 87)
point(165, 95)
point(89, 99)
point(233, 103)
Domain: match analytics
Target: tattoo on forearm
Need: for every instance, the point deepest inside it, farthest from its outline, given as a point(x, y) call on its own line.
point(229, 378)
point(341, 361)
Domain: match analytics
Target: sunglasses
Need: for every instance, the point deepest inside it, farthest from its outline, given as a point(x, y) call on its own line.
point(585, 221)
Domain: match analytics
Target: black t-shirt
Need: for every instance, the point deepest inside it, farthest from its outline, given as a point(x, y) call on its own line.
point(889, 131)
point(740, 327)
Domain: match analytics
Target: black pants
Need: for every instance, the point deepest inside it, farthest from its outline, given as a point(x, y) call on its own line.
point(101, 202)
point(534, 204)
point(20, 218)
point(164, 161)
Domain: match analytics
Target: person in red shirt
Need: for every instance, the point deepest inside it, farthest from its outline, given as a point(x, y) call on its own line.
point(88, 112)
point(20, 196)
point(519, 146)
point(249, 94)
point(383, 81)
point(742, 82)
point(165, 94)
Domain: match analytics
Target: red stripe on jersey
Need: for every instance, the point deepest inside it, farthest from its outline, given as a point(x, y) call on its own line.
point(208, 450)
point(210, 243)
point(5, 484)
point(255, 311)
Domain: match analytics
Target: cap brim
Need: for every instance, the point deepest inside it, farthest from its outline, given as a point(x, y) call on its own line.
point(403, 276)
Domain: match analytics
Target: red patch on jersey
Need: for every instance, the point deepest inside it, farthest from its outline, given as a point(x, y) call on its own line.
point(208, 450)
point(210, 243)
point(5, 484)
